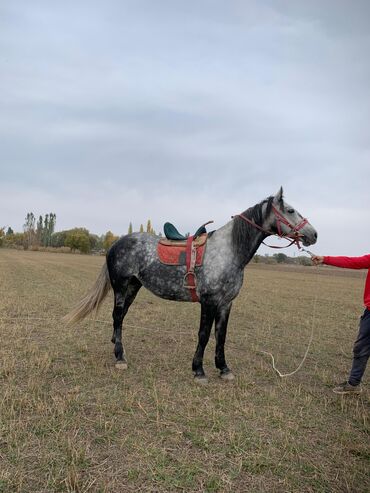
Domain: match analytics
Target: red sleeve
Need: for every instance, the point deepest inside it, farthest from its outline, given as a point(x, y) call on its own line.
point(349, 262)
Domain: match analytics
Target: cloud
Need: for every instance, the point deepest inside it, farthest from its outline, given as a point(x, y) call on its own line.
point(124, 110)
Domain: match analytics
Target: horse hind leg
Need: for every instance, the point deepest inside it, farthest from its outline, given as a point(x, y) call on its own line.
point(123, 298)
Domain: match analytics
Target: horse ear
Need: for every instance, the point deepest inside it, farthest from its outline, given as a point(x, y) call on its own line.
point(279, 196)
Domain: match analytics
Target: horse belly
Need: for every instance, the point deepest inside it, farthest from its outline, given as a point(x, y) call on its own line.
point(164, 281)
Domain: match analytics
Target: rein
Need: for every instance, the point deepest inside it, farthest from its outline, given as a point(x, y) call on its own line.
point(295, 236)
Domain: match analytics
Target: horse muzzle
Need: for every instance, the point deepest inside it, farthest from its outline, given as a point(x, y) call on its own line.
point(308, 238)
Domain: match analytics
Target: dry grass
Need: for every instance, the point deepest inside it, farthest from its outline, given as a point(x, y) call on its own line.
point(69, 421)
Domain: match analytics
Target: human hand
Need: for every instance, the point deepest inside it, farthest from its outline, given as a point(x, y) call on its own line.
point(317, 260)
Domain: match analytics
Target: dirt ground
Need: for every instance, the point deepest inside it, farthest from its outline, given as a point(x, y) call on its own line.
point(69, 421)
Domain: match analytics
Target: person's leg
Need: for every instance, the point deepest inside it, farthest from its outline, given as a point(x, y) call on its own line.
point(361, 350)
point(361, 353)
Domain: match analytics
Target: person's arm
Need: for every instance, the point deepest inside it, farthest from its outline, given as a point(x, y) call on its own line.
point(345, 262)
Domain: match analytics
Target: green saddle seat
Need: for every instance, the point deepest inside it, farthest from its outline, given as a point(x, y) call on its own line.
point(171, 233)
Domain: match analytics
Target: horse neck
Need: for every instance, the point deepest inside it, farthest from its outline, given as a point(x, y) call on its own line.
point(246, 238)
point(246, 255)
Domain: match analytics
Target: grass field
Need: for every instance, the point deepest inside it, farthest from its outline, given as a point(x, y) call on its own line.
point(69, 421)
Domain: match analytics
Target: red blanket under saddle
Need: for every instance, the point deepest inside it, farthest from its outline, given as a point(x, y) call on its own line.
point(182, 253)
point(176, 254)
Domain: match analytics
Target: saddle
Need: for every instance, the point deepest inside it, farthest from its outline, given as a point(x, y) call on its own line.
point(172, 233)
point(177, 249)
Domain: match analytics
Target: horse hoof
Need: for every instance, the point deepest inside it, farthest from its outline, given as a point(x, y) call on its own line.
point(201, 380)
point(227, 376)
point(121, 365)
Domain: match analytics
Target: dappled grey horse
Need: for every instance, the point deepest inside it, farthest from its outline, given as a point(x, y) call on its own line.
point(132, 262)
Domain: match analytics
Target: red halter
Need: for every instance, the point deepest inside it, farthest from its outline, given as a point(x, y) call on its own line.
point(281, 219)
point(294, 235)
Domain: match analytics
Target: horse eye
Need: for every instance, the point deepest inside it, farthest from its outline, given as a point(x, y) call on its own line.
point(290, 211)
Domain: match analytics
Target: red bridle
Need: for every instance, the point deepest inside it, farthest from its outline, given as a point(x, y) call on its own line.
point(294, 235)
point(281, 219)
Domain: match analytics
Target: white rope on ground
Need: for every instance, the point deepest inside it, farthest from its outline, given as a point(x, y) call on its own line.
point(282, 375)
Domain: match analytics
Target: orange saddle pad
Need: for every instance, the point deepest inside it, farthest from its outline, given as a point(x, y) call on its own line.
point(174, 252)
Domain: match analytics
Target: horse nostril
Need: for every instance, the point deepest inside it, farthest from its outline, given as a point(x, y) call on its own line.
point(315, 236)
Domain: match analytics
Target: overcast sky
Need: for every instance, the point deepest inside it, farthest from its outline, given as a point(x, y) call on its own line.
point(121, 111)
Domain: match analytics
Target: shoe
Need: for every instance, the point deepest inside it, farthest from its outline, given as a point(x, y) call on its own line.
point(347, 388)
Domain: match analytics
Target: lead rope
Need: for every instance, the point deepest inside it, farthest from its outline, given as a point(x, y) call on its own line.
point(282, 375)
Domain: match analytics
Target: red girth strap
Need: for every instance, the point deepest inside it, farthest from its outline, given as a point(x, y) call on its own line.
point(189, 278)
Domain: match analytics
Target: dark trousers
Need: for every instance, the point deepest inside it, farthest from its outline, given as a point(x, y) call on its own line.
point(361, 349)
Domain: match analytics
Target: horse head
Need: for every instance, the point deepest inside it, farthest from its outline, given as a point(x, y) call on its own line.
point(285, 220)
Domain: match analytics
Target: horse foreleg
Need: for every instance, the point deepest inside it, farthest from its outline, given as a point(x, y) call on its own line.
point(222, 318)
point(207, 317)
point(122, 302)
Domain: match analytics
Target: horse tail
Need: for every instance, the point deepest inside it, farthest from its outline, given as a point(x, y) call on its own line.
point(92, 299)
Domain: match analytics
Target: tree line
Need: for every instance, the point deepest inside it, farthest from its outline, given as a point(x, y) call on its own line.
point(39, 234)
point(282, 258)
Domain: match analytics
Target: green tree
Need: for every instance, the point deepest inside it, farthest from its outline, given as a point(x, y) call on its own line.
point(58, 239)
point(14, 239)
point(95, 242)
point(52, 222)
point(149, 227)
point(141, 228)
point(45, 230)
point(281, 258)
point(109, 239)
point(78, 239)
point(9, 231)
point(130, 230)
point(48, 228)
point(29, 230)
point(2, 236)
point(304, 261)
point(39, 230)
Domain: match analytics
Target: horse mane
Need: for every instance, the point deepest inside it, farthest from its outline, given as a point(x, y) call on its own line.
point(242, 232)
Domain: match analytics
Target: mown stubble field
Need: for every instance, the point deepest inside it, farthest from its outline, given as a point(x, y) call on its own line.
point(69, 421)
